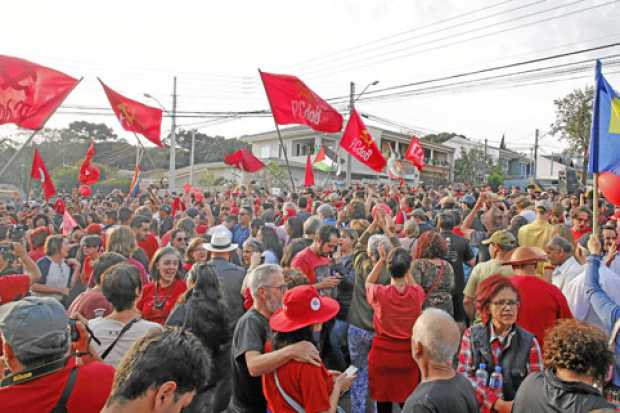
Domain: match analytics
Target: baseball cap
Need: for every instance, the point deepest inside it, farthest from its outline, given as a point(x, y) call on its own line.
point(502, 237)
point(544, 204)
point(165, 208)
point(35, 327)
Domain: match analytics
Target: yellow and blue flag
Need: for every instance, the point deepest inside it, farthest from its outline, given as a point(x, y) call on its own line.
point(134, 188)
point(605, 137)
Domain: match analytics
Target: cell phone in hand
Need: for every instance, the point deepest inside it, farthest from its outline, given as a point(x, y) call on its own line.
point(350, 371)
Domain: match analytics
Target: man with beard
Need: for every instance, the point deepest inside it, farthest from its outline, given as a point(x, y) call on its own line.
point(249, 358)
point(580, 219)
point(314, 261)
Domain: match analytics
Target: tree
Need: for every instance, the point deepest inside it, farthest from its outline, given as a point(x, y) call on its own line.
point(472, 166)
point(573, 119)
point(442, 137)
point(82, 130)
point(496, 178)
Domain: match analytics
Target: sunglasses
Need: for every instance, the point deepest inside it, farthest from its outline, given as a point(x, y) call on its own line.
point(505, 303)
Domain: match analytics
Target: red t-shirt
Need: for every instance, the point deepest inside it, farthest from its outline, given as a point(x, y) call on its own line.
point(395, 312)
point(579, 234)
point(165, 239)
point(401, 216)
point(149, 245)
point(36, 253)
point(308, 385)
point(90, 392)
point(169, 295)
point(542, 304)
point(307, 262)
point(87, 270)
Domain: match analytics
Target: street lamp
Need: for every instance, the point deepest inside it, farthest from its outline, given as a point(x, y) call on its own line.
point(352, 103)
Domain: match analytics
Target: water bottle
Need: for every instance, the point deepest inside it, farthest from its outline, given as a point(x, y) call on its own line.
point(497, 381)
point(482, 375)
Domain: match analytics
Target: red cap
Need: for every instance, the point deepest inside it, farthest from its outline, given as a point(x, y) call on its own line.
point(13, 287)
point(94, 229)
point(302, 307)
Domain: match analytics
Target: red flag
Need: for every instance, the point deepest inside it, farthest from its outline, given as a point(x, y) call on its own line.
point(39, 173)
point(320, 156)
point(177, 205)
point(309, 181)
point(85, 191)
point(135, 116)
point(415, 153)
point(68, 223)
point(59, 206)
point(89, 173)
point(357, 141)
point(244, 159)
point(292, 102)
point(30, 93)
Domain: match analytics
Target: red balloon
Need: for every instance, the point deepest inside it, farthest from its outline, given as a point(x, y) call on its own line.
point(85, 190)
point(609, 185)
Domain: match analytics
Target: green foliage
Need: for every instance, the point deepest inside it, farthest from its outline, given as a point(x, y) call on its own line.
point(472, 166)
point(207, 178)
point(276, 173)
point(441, 137)
point(496, 178)
point(573, 119)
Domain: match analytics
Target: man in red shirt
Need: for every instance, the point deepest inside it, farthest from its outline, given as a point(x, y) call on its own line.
point(141, 227)
point(542, 303)
point(37, 243)
point(580, 222)
point(314, 261)
point(36, 343)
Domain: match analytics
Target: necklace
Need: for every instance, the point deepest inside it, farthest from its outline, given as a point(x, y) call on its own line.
point(160, 304)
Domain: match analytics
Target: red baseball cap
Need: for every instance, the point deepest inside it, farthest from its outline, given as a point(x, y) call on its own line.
point(302, 307)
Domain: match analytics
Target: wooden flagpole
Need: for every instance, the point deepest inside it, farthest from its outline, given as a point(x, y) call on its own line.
point(595, 209)
point(288, 167)
point(21, 149)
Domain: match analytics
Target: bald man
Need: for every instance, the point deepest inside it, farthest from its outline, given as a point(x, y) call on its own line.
point(434, 343)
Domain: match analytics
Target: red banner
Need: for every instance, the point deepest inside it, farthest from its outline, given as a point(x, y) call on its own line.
point(135, 116)
point(89, 173)
point(244, 159)
point(357, 141)
point(30, 93)
point(292, 102)
point(309, 180)
point(39, 173)
point(415, 153)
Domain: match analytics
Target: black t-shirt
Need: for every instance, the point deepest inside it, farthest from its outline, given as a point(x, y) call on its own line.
point(251, 334)
point(438, 396)
point(459, 251)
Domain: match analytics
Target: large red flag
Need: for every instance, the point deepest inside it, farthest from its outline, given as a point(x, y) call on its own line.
point(135, 116)
point(30, 93)
point(357, 141)
point(89, 173)
point(415, 153)
point(244, 159)
point(320, 156)
point(39, 173)
point(309, 181)
point(292, 102)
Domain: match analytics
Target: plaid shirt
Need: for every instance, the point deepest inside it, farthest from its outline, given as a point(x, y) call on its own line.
point(485, 395)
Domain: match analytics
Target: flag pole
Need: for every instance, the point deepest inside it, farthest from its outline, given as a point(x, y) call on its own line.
point(144, 151)
point(288, 167)
point(29, 186)
point(595, 209)
point(33, 134)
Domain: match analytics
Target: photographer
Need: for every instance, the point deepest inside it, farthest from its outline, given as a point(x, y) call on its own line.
point(44, 378)
point(11, 254)
point(58, 274)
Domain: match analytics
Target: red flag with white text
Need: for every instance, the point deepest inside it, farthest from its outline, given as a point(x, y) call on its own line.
point(415, 153)
point(357, 141)
point(39, 173)
point(30, 93)
point(292, 102)
point(135, 116)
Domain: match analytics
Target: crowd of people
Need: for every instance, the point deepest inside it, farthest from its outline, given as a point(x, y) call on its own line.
point(373, 298)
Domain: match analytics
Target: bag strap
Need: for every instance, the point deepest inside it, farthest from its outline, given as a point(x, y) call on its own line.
point(438, 279)
point(61, 406)
point(123, 331)
point(296, 406)
point(614, 334)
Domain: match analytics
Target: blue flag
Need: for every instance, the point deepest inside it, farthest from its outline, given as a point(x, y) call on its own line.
point(605, 137)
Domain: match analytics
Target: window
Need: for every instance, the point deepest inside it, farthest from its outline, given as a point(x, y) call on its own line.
point(303, 149)
point(264, 151)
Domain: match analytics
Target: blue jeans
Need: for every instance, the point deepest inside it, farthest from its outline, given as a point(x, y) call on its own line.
point(338, 337)
point(360, 341)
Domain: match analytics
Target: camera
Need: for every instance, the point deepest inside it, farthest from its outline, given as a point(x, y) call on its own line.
point(17, 232)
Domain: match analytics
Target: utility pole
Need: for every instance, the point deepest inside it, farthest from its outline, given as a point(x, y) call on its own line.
point(484, 161)
point(172, 174)
point(349, 158)
point(191, 159)
point(536, 153)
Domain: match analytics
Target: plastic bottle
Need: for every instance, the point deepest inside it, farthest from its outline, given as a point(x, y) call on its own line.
point(482, 375)
point(496, 382)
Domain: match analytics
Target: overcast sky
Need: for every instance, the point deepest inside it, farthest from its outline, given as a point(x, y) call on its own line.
point(215, 48)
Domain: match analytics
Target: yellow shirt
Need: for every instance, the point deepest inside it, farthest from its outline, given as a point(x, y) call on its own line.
point(536, 234)
point(481, 272)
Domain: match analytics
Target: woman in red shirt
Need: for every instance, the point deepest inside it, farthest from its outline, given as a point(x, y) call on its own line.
point(392, 373)
point(310, 387)
point(160, 295)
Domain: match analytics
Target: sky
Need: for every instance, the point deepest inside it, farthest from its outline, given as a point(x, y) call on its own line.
point(215, 49)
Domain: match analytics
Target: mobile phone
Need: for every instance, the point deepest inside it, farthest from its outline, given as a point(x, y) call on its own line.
point(351, 370)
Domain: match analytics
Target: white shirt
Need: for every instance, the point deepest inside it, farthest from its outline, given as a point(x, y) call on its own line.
point(57, 277)
point(563, 274)
point(575, 293)
point(529, 215)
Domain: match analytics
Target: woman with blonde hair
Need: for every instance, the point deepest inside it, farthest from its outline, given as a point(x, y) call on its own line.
point(195, 253)
point(122, 240)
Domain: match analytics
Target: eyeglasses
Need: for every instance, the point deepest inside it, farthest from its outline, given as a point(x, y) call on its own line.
point(282, 287)
point(505, 303)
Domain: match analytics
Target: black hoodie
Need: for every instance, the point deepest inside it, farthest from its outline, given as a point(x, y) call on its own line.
point(544, 392)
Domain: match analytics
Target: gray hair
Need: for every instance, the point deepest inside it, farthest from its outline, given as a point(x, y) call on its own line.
point(412, 229)
point(373, 244)
point(312, 224)
point(253, 244)
point(560, 243)
point(438, 333)
point(261, 277)
point(325, 210)
point(289, 205)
